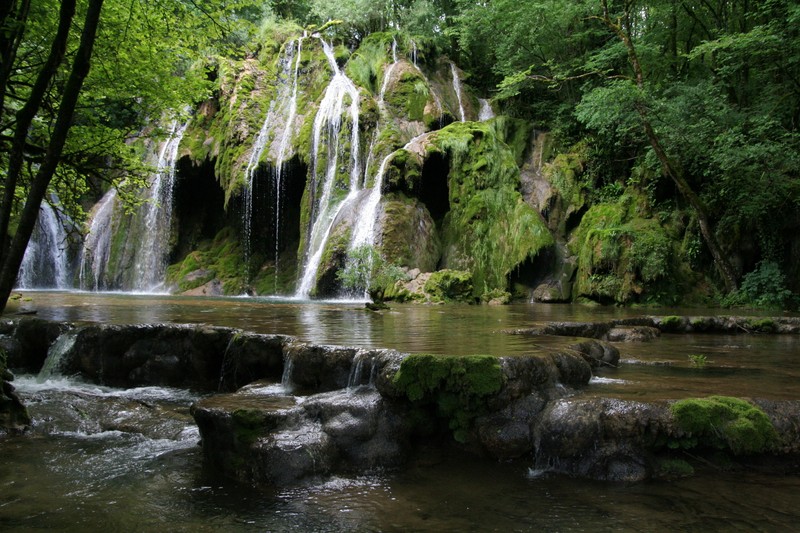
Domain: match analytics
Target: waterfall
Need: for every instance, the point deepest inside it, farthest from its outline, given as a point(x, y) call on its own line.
point(486, 112)
point(46, 261)
point(286, 375)
point(457, 89)
point(284, 144)
point(247, 196)
point(364, 228)
point(327, 126)
point(281, 113)
point(54, 361)
point(97, 244)
point(150, 261)
point(414, 53)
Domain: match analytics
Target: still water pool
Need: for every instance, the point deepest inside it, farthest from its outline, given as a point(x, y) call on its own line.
point(101, 459)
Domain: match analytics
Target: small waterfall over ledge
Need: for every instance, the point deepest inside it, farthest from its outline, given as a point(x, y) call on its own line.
point(274, 137)
point(96, 249)
point(457, 89)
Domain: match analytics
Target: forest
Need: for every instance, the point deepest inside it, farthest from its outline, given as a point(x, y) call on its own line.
point(672, 126)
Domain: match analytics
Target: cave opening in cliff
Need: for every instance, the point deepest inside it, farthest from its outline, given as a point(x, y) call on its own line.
point(434, 190)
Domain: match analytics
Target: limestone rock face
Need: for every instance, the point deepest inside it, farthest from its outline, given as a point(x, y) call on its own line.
point(266, 440)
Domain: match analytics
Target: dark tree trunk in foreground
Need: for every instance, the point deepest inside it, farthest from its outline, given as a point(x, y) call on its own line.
point(26, 115)
point(41, 181)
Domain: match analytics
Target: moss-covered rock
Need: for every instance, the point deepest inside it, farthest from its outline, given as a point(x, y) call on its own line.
point(449, 286)
point(723, 423)
point(624, 255)
point(408, 233)
point(221, 258)
point(489, 229)
point(457, 388)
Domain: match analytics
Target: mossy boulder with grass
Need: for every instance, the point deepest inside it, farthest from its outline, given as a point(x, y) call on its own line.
point(449, 286)
point(489, 230)
point(625, 256)
point(218, 259)
point(455, 388)
point(723, 423)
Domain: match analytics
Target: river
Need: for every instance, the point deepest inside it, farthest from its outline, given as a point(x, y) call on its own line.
point(127, 460)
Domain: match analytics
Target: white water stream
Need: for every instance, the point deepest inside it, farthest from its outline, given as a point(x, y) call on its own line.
point(150, 259)
point(46, 261)
point(457, 89)
point(327, 127)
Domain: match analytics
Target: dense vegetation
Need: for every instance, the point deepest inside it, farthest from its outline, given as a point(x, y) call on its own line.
point(686, 111)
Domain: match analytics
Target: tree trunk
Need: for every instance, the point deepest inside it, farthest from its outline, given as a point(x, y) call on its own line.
point(26, 115)
point(12, 28)
point(671, 169)
point(41, 181)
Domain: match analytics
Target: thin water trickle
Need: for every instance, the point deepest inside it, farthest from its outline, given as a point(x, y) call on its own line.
point(97, 244)
point(486, 112)
point(457, 89)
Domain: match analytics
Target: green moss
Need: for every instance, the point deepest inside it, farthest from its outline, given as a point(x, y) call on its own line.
point(248, 425)
point(723, 423)
point(624, 257)
point(673, 469)
point(763, 325)
point(456, 387)
point(450, 285)
point(489, 230)
point(670, 323)
point(221, 258)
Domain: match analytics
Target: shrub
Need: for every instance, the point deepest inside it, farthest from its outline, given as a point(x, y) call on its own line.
point(764, 287)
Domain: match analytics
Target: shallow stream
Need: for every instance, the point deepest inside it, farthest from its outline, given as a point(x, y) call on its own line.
point(127, 460)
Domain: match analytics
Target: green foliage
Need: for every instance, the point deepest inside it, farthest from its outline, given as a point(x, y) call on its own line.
point(764, 287)
point(670, 323)
point(489, 230)
point(698, 360)
point(219, 258)
point(623, 256)
point(723, 423)
point(673, 468)
point(457, 387)
point(366, 270)
point(450, 286)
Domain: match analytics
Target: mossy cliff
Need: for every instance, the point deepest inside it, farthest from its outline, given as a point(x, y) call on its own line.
point(495, 198)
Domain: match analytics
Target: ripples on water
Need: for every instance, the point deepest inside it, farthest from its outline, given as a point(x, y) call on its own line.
point(103, 459)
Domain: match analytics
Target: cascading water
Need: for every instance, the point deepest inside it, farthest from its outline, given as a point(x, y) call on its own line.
point(286, 138)
point(97, 244)
point(457, 89)
point(364, 228)
point(150, 260)
point(46, 260)
point(486, 112)
point(247, 195)
point(280, 115)
point(327, 127)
